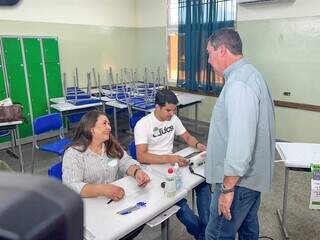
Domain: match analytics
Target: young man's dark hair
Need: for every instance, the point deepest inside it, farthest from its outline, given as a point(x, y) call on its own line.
point(166, 96)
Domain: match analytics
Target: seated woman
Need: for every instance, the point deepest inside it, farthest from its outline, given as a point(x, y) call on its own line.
point(91, 163)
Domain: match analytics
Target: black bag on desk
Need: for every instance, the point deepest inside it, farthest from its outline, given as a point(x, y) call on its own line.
point(11, 113)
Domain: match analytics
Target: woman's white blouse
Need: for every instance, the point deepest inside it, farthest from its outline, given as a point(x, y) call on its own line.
point(80, 168)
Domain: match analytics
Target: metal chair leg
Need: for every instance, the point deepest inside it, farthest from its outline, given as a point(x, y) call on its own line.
point(18, 140)
point(165, 230)
point(283, 217)
point(193, 202)
point(32, 156)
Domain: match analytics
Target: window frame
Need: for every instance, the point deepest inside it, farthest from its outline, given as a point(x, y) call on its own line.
point(173, 29)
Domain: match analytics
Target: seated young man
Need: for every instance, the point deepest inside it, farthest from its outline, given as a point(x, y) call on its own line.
point(154, 135)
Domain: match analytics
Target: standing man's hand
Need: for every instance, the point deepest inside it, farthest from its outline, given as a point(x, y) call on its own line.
point(224, 205)
point(201, 147)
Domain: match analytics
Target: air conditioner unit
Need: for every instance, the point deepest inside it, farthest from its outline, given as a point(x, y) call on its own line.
point(251, 2)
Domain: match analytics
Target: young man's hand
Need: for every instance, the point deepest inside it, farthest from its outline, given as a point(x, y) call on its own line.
point(178, 159)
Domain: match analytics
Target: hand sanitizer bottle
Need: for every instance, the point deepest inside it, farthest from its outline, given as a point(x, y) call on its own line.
point(170, 188)
point(178, 176)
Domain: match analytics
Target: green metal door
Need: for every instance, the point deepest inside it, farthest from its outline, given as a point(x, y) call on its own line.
point(17, 81)
point(2, 96)
point(2, 86)
point(52, 63)
point(35, 76)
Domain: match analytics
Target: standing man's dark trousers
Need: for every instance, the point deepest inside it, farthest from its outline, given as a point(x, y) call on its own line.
point(244, 211)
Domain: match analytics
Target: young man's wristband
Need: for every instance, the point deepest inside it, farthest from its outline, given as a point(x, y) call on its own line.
point(197, 145)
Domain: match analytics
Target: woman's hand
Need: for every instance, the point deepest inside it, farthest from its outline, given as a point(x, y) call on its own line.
point(142, 178)
point(113, 192)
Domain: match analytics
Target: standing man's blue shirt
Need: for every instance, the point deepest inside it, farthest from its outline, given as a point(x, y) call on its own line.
point(242, 130)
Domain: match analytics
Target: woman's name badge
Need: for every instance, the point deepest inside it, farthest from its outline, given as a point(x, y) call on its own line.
point(112, 163)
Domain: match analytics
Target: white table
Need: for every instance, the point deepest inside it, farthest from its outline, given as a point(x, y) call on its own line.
point(63, 107)
point(188, 99)
point(58, 100)
point(14, 128)
point(101, 219)
point(297, 157)
point(185, 100)
point(66, 108)
point(189, 180)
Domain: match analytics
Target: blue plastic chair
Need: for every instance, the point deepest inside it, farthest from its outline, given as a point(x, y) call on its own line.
point(133, 150)
point(4, 133)
point(135, 118)
point(45, 124)
point(75, 117)
point(55, 171)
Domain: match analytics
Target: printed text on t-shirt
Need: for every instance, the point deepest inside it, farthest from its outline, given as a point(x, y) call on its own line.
point(157, 132)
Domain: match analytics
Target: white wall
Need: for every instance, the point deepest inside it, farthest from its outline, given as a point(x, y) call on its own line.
point(86, 12)
point(151, 13)
point(299, 8)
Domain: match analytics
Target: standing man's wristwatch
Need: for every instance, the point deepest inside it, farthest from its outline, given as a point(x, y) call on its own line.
point(225, 190)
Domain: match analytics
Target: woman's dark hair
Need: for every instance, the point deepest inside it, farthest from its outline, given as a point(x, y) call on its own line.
point(166, 96)
point(83, 136)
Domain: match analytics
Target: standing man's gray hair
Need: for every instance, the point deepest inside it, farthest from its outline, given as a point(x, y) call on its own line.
point(229, 37)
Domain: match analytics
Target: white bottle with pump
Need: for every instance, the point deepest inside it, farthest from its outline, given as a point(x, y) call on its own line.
point(178, 175)
point(170, 187)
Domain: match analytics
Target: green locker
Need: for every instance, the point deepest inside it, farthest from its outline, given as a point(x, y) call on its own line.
point(26, 73)
point(50, 50)
point(54, 80)
point(17, 81)
point(32, 50)
point(52, 62)
point(35, 76)
point(11, 48)
point(2, 86)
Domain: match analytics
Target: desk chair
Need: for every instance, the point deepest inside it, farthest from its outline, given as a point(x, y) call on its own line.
point(45, 124)
point(133, 121)
point(135, 118)
point(74, 118)
point(133, 150)
point(55, 171)
point(4, 133)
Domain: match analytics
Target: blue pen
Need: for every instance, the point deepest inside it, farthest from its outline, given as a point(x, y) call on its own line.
point(132, 208)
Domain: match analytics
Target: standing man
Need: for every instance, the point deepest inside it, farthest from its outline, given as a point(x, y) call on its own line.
point(241, 142)
point(154, 136)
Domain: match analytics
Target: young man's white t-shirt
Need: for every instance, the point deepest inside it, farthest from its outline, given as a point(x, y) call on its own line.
point(158, 135)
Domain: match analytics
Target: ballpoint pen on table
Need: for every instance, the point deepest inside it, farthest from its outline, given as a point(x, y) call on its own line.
point(128, 210)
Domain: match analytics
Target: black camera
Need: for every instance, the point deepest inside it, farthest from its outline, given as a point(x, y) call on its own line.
point(8, 2)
